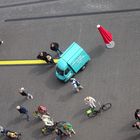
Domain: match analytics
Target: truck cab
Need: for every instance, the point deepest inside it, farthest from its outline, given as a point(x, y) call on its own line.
point(71, 62)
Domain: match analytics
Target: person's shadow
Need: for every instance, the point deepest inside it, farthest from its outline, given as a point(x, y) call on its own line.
point(134, 137)
point(80, 113)
point(32, 122)
point(42, 69)
point(61, 138)
point(19, 102)
point(128, 127)
point(53, 82)
point(36, 134)
point(17, 120)
point(4, 138)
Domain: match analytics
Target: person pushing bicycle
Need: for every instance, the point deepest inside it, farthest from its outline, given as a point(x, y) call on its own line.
point(66, 128)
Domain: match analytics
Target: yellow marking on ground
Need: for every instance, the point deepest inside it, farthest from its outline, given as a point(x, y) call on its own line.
point(24, 62)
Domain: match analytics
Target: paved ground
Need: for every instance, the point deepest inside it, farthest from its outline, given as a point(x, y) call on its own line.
point(28, 27)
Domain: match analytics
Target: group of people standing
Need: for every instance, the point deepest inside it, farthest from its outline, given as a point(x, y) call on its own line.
point(54, 46)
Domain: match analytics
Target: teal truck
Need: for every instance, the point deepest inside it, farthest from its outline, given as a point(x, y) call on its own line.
point(73, 59)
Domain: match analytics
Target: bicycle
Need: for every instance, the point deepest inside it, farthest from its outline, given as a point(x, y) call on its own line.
point(57, 127)
point(47, 130)
point(92, 112)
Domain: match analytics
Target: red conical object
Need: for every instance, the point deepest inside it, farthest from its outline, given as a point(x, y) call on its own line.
point(107, 36)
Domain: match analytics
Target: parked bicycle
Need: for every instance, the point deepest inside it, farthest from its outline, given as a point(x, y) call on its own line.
point(92, 112)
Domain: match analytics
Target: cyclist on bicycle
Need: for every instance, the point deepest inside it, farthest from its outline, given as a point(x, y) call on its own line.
point(90, 101)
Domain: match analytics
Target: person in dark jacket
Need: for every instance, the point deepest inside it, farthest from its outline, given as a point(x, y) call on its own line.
point(54, 46)
point(45, 56)
point(137, 114)
point(42, 55)
point(24, 111)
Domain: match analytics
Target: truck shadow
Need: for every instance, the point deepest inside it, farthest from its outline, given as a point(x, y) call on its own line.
point(41, 69)
point(49, 71)
point(53, 83)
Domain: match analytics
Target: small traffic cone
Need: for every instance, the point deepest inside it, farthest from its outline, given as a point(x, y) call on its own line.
point(107, 37)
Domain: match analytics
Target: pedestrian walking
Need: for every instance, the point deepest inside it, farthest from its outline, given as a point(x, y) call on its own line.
point(1, 42)
point(24, 111)
point(137, 114)
point(24, 93)
point(54, 46)
point(45, 56)
point(90, 101)
point(76, 84)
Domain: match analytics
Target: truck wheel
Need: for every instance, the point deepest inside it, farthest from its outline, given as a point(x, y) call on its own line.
point(83, 67)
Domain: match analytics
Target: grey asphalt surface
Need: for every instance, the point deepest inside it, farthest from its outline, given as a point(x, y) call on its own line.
point(113, 75)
